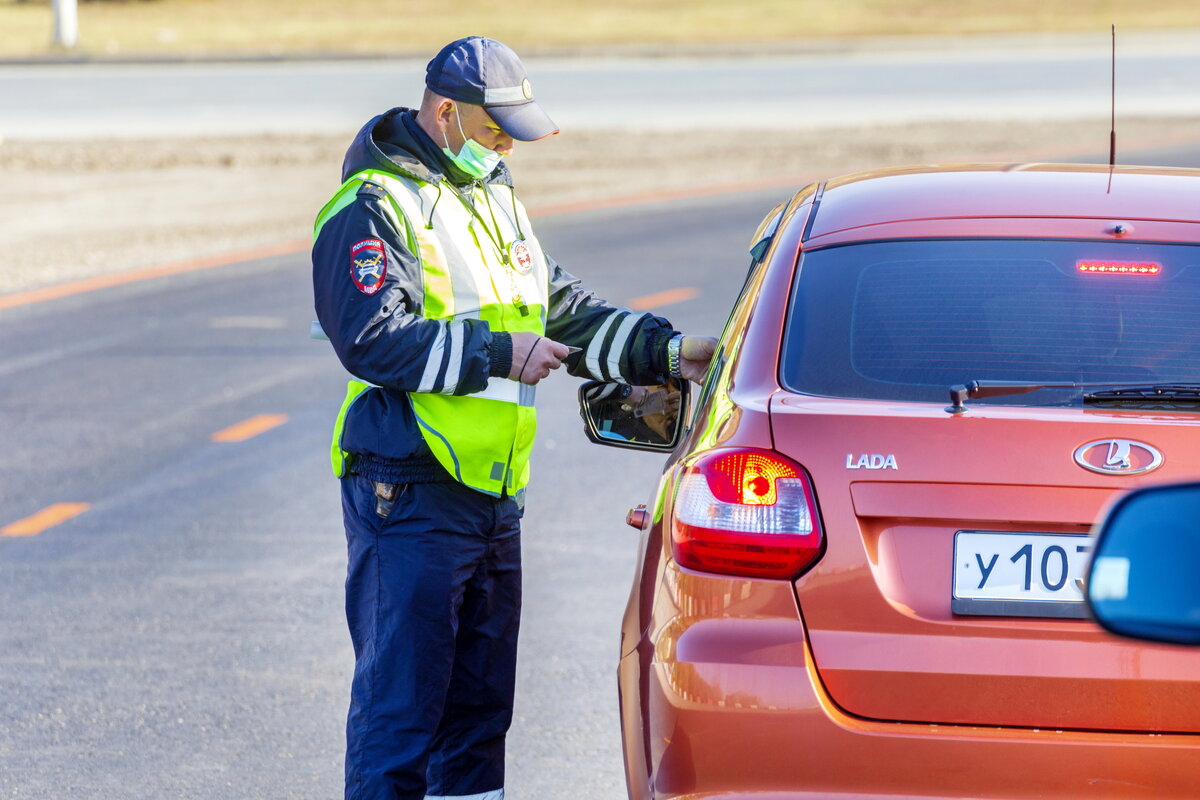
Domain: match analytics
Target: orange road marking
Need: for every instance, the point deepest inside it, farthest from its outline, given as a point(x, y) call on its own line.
point(666, 298)
point(133, 276)
point(249, 428)
point(46, 518)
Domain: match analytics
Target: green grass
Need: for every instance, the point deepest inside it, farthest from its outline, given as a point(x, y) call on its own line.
point(220, 27)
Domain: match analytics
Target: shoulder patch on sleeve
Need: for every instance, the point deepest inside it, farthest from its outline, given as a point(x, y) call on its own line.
point(372, 190)
point(368, 265)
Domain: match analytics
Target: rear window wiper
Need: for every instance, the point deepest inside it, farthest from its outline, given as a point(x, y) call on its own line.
point(1177, 394)
point(960, 393)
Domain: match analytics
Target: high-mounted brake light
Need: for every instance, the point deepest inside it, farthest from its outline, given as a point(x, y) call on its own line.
point(1119, 267)
point(745, 512)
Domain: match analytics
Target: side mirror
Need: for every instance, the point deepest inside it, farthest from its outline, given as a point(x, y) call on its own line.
point(1143, 581)
point(636, 417)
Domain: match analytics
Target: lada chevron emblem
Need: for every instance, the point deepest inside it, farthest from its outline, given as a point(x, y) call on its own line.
point(1118, 457)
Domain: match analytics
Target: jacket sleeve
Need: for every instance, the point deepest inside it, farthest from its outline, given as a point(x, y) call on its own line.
point(376, 330)
point(618, 344)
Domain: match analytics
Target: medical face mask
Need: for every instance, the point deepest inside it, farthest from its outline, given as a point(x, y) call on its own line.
point(473, 158)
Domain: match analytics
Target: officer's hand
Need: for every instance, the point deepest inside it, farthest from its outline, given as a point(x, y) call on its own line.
point(534, 356)
point(694, 354)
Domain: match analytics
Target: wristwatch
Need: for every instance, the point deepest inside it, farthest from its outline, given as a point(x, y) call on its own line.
point(673, 347)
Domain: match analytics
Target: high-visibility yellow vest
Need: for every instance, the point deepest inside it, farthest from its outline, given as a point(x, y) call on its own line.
point(463, 243)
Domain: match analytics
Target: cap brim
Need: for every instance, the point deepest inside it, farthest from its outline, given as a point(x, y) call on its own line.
point(525, 122)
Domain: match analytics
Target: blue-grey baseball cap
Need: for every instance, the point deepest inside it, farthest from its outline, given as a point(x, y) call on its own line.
point(488, 73)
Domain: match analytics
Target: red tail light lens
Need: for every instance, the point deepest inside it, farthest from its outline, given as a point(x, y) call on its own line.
point(745, 512)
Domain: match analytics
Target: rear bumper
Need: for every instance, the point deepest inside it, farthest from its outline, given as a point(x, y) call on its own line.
point(698, 727)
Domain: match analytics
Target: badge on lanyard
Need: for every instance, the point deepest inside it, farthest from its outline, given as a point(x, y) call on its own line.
point(519, 257)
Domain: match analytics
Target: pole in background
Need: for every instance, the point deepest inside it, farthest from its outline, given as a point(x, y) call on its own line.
point(66, 23)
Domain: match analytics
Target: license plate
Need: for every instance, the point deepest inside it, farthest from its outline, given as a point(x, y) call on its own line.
point(1020, 574)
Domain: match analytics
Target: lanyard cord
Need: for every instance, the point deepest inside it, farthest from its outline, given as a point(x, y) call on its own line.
point(514, 221)
point(496, 238)
point(518, 297)
point(438, 199)
point(515, 218)
point(513, 194)
point(487, 198)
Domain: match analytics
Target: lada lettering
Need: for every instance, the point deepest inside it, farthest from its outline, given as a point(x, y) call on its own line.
point(871, 461)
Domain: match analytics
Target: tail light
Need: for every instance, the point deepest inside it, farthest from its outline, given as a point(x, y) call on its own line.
point(745, 512)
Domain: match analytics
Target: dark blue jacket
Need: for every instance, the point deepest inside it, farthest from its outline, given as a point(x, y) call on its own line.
point(381, 337)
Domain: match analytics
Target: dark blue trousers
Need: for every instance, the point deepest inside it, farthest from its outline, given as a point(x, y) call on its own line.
point(433, 601)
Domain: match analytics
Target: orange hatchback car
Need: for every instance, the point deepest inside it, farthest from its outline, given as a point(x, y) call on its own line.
point(861, 573)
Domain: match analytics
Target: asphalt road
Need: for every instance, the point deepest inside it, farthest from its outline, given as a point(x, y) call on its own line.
point(183, 636)
point(870, 81)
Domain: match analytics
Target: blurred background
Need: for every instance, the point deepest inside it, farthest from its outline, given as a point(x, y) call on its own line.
point(163, 112)
point(171, 552)
point(390, 28)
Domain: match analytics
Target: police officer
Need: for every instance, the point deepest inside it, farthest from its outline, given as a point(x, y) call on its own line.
point(440, 302)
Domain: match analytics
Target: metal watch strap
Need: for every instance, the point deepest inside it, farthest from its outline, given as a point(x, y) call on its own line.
point(673, 348)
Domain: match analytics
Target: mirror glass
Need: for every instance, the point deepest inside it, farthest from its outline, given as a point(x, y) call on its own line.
point(1145, 575)
point(644, 417)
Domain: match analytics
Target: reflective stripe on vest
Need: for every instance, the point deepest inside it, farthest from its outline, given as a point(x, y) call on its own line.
point(484, 439)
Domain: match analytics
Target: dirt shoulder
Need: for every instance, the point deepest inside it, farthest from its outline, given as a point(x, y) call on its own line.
point(72, 210)
point(256, 28)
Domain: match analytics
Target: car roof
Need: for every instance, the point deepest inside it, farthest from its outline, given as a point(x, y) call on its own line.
point(987, 199)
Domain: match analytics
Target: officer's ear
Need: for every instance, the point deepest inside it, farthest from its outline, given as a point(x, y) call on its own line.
point(444, 112)
point(436, 115)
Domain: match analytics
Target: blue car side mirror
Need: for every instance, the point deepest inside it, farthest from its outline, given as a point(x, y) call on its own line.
point(1144, 580)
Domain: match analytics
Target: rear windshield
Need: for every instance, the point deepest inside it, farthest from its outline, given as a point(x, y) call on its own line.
point(906, 320)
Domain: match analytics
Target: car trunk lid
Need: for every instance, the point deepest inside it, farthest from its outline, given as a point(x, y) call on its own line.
point(918, 504)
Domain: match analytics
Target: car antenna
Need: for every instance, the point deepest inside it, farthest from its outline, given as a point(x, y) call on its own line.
point(1112, 133)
